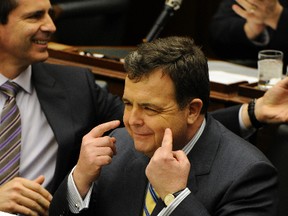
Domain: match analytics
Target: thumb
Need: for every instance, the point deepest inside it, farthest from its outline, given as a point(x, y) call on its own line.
point(40, 179)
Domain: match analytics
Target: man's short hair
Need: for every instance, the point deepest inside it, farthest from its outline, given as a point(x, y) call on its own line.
point(6, 6)
point(179, 58)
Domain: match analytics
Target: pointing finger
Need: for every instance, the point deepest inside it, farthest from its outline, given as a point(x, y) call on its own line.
point(167, 140)
point(102, 128)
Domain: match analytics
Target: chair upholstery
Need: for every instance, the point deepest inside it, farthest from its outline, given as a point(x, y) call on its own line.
point(273, 140)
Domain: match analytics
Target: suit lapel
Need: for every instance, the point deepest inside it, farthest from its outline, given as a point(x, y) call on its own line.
point(54, 103)
point(203, 153)
point(136, 173)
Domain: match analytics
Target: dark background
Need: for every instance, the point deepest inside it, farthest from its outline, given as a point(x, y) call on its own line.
point(131, 26)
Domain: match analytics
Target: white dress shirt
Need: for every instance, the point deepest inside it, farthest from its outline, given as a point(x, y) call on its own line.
point(38, 144)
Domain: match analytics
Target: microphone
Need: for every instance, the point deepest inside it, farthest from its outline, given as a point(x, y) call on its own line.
point(167, 13)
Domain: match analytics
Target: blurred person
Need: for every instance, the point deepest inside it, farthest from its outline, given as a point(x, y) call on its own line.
point(241, 28)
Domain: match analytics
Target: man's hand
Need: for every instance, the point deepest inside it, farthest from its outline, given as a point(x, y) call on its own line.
point(273, 106)
point(96, 152)
point(258, 15)
point(168, 170)
point(23, 196)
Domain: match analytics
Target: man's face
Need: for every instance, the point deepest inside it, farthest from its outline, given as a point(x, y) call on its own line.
point(150, 108)
point(23, 40)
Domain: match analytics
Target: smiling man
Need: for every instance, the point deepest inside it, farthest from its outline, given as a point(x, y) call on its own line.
point(171, 149)
point(57, 106)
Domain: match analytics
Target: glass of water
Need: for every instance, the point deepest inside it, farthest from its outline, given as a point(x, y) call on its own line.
point(270, 68)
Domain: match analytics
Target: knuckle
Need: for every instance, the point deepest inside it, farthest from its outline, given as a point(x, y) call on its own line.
point(10, 206)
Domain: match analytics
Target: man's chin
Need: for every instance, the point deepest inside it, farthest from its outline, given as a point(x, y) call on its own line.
point(41, 57)
point(142, 148)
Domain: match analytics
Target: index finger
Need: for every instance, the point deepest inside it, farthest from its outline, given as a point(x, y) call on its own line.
point(167, 140)
point(102, 128)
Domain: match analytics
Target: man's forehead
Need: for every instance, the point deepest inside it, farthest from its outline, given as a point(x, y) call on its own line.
point(148, 91)
point(34, 4)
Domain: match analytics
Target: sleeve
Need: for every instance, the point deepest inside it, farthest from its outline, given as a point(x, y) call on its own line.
point(76, 203)
point(229, 117)
point(166, 211)
point(59, 204)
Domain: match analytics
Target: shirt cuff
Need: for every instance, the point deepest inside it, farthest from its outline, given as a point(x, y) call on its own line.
point(173, 205)
point(75, 201)
point(263, 39)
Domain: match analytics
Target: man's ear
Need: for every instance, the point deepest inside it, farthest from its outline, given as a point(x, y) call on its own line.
point(194, 110)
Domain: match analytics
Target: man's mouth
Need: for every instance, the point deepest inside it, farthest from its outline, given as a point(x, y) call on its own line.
point(141, 134)
point(41, 42)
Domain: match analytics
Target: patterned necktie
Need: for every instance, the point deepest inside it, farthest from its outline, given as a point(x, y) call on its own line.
point(150, 201)
point(10, 134)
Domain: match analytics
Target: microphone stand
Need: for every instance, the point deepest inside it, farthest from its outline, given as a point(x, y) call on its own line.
point(170, 7)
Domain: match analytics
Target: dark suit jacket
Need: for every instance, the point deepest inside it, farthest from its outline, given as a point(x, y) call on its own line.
point(228, 38)
point(229, 117)
point(228, 177)
point(73, 105)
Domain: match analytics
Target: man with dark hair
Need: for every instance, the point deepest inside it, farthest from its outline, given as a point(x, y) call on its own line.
point(171, 149)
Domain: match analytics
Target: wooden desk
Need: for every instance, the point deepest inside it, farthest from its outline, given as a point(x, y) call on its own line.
point(113, 73)
point(108, 70)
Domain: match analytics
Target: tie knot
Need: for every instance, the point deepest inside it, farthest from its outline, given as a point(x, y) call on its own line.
point(10, 88)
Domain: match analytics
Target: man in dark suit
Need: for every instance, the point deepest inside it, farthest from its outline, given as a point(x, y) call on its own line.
point(170, 148)
point(58, 105)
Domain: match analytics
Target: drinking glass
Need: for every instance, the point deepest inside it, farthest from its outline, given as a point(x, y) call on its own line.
point(270, 68)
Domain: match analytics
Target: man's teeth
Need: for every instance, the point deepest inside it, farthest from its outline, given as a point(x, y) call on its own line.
point(42, 42)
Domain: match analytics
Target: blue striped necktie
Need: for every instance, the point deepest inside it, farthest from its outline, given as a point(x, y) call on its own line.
point(10, 134)
point(150, 201)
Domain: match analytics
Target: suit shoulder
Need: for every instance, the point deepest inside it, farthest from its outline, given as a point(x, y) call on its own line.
point(233, 147)
point(58, 68)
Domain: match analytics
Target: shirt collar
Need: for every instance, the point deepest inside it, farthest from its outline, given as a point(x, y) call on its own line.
point(23, 80)
point(187, 148)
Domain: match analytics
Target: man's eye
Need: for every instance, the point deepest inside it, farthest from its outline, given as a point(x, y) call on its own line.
point(127, 103)
point(36, 15)
point(149, 109)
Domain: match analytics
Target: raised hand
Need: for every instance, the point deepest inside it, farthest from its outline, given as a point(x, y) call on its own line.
point(273, 106)
point(96, 152)
point(168, 170)
point(258, 15)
